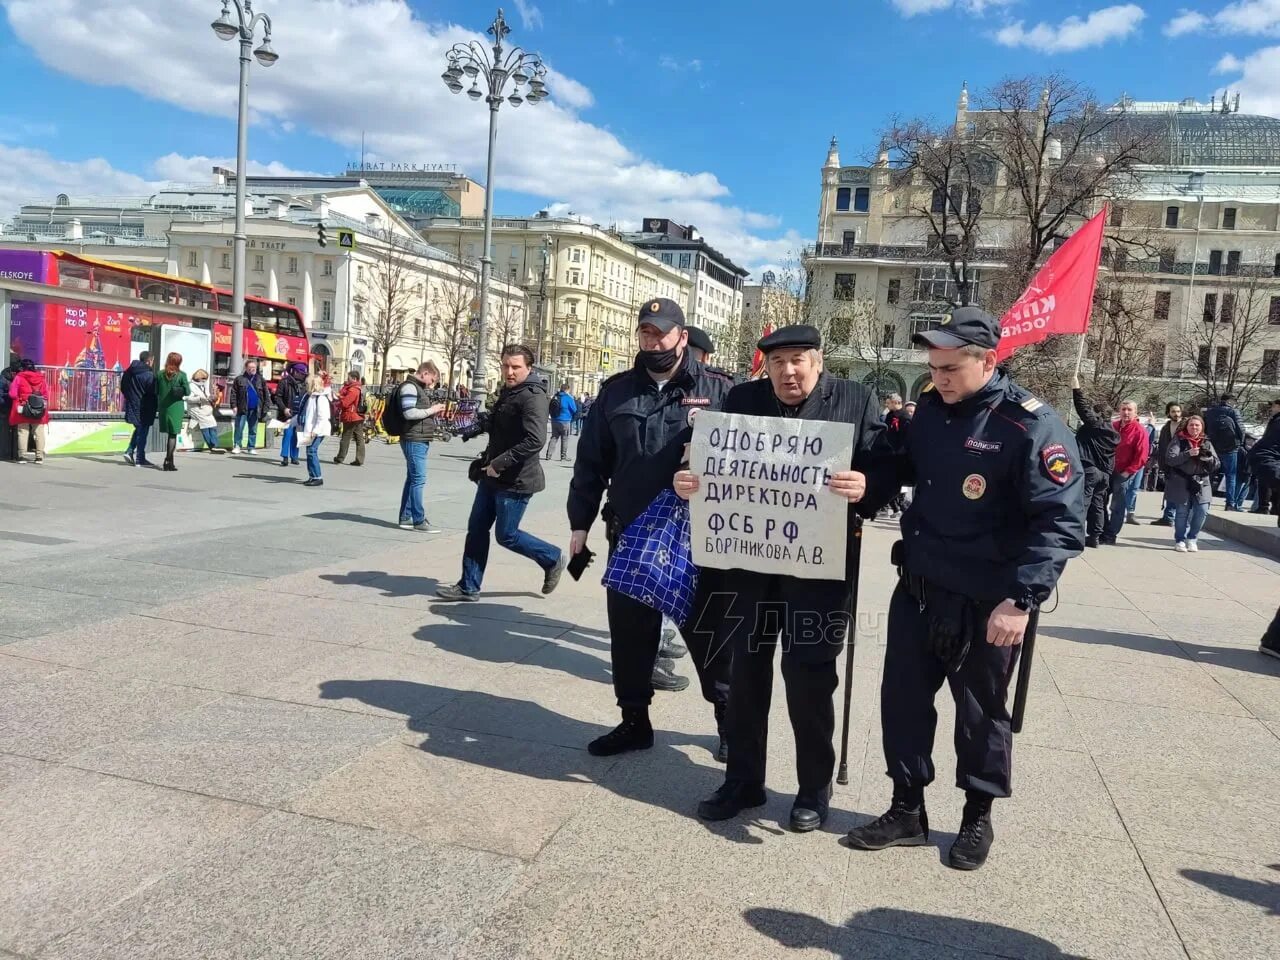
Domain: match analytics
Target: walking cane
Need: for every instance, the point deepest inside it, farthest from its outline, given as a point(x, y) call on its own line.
point(842, 777)
point(1024, 669)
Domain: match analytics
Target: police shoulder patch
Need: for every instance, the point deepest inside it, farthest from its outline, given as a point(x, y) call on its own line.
point(1057, 463)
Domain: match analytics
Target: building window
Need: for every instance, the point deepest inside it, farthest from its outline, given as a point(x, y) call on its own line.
point(1228, 313)
point(1229, 218)
point(666, 258)
point(1202, 360)
point(417, 327)
point(359, 272)
point(1210, 307)
point(515, 253)
point(1119, 260)
point(1171, 216)
point(890, 330)
point(1155, 360)
point(193, 260)
point(1233, 263)
point(1275, 271)
point(1167, 255)
point(572, 306)
point(1220, 358)
point(293, 301)
point(939, 202)
point(326, 312)
point(842, 198)
point(575, 255)
point(848, 239)
point(1117, 216)
point(936, 285)
point(293, 265)
point(921, 323)
point(862, 199)
point(1215, 262)
point(326, 268)
point(845, 285)
point(1270, 372)
point(686, 260)
point(575, 277)
point(895, 291)
point(1273, 314)
point(226, 261)
point(259, 264)
point(1162, 304)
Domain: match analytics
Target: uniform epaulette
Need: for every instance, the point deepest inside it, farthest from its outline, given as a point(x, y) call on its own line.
point(616, 376)
point(1025, 405)
point(720, 372)
point(1031, 404)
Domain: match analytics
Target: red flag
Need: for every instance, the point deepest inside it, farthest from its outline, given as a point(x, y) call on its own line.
point(1060, 296)
point(757, 361)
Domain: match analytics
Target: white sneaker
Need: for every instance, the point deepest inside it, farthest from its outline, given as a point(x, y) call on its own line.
point(249, 452)
point(235, 450)
point(1191, 547)
point(1180, 547)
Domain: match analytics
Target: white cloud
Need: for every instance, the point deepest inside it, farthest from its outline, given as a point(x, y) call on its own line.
point(530, 15)
point(911, 8)
point(372, 66)
point(1229, 63)
point(1073, 33)
point(1187, 21)
point(1259, 80)
point(177, 168)
point(668, 62)
point(30, 175)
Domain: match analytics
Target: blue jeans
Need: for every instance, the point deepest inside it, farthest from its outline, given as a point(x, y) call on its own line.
point(1118, 504)
point(415, 480)
point(1131, 490)
point(289, 444)
point(248, 419)
point(1188, 519)
point(313, 457)
point(507, 510)
point(137, 443)
point(210, 435)
point(1230, 466)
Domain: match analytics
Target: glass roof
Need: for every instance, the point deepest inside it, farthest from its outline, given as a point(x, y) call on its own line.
point(420, 203)
point(1212, 139)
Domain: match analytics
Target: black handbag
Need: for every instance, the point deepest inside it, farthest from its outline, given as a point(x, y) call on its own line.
point(475, 471)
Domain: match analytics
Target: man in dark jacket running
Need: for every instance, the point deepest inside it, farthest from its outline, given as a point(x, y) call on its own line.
point(1097, 440)
point(138, 386)
point(511, 475)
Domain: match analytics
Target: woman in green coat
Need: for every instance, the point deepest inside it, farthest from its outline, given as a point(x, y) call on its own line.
point(172, 388)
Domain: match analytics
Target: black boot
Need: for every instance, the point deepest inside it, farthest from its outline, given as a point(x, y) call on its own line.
point(1090, 541)
point(731, 799)
point(665, 677)
point(722, 728)
point(670, 648)
point(809, 812)
point(633, 733)
point(970, 850)
point(905, 824)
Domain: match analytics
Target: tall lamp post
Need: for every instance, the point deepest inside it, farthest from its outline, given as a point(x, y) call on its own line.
point(498, 67)
point(243, 27)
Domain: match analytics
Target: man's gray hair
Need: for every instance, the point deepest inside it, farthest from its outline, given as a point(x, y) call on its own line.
point(893, 398)
point(1130, 402)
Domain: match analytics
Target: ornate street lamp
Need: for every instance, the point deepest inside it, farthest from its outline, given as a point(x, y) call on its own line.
point(492, 71)
point(243, 26)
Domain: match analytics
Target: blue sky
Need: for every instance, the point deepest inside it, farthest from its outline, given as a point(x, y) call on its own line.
point(716, 112)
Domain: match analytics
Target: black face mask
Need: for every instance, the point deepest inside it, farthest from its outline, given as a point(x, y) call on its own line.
point(658, 361)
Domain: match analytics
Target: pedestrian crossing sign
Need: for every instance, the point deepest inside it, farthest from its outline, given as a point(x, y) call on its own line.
point(347, 239)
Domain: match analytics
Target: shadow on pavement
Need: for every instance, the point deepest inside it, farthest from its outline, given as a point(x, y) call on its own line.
point(1258, 892)
point(798, 931)
point(677, 784)
point(1246, 659)
point(354, 518)
point(270, 478)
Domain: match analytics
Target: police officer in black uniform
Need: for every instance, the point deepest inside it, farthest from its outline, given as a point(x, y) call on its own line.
point(632, 445)
point(997, 513)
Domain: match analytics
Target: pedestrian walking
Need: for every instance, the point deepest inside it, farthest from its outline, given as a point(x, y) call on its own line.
point(138, 387)
point(200, 407)
point(1097, 440)
point(766, 611)
point(998, 512)
point(351, 413)
point(172, 388)
point(1225, 430)
point(1264, 459)
point(250, 399)
point(631, 447)
point(415, 406)
point(562, 408)
point(1132, 453)
point(290, 394)
point(311, 424)
point(508, 474)
point(29, 409)
point(1192, 463)
point(1173, 411)
point(8, 435)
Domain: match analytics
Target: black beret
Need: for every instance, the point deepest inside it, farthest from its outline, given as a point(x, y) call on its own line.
point(699, 340)
point(799, 335)
point(962, 326)
point(664, 314)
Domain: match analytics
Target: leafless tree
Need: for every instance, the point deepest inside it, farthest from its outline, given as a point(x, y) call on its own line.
point(387, 290)
point(453, 313)
point(506, 320)
point(1224, 343)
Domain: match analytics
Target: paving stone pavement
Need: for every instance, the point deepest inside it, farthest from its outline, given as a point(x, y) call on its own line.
point(235, 723)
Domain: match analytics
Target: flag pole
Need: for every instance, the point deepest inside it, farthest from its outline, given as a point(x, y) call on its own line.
point(1080, 352)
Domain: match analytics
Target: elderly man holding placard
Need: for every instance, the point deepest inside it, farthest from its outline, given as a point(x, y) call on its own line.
point(771, 484)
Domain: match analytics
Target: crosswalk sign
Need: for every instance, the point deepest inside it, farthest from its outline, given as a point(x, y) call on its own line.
point(347, 239)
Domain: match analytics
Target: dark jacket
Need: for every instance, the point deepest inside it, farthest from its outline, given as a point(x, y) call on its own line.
point(1223, 426)
point(138, 386)
point(517, 432)
point(999, 503)
point(1190, 477)
point(897, 423)
point(633, 440)
point(6, 381)
point(835, 401)
point(1167, 433)
point(240, 393)
point(1096, 437)
point(289, 393)
point(1264, 458)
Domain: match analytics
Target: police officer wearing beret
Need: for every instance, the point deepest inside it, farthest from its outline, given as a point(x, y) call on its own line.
point(632, 445)
point(998, 511)
point(807, 618)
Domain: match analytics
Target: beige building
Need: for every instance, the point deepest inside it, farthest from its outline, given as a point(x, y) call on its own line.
point(584, 285)
point(422, 191)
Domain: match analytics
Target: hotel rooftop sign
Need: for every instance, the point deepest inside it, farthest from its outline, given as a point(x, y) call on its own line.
point(399, 167)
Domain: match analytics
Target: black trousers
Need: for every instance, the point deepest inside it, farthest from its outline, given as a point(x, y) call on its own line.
point(1096, 485)
point(912, 677)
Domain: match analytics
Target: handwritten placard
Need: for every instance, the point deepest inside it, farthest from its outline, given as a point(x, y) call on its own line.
point(763, 502)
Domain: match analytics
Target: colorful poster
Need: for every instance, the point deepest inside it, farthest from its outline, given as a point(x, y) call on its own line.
point(272, 346)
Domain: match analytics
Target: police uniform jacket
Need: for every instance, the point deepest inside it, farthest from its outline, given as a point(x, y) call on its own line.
point(632, 442)
point(837, 401)
point(999, 503)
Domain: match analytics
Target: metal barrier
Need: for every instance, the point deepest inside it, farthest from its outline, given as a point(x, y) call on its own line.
point(83, 390)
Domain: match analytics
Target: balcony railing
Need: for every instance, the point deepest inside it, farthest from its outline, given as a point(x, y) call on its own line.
point(880, 251)
point(1183, 268)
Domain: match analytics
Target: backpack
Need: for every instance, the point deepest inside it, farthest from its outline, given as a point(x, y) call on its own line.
point(362, 405)
point(35, 407)
point(393, 422)
point(1222, 431)
point(554, 406)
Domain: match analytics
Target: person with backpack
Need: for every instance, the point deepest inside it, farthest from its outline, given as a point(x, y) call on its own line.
point(29, 408)
point(138, 387)
point(352, 408)
point(407, 415)
point(1226, 432)
point(289, 397)
point(561, 408)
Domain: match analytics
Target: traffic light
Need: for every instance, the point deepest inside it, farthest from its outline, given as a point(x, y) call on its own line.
point(321, 234)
